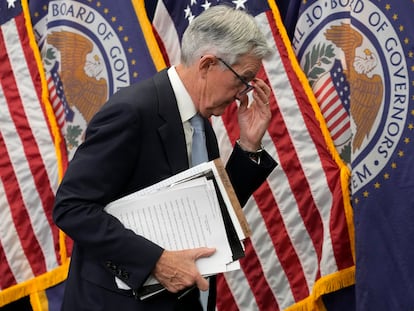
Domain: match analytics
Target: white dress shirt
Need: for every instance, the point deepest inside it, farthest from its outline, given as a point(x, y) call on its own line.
point(185, 106)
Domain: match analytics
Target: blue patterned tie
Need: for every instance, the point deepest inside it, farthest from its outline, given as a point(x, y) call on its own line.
point(199, 155)
point(198, 148)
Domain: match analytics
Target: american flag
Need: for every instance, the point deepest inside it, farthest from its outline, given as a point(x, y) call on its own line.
point(30, 164)
point(57, 97)
point(302, 241)
point(56, 102)
point(332, 92)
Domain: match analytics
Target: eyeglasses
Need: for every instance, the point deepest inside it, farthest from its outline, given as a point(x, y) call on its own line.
point(248, 88)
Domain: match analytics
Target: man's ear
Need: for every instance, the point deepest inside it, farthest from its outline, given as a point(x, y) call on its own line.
point(205, 63)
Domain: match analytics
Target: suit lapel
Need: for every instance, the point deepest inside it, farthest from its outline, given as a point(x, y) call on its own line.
point(171, 132)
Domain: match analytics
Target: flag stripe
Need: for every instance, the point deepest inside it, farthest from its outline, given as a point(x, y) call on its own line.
point(259, 286)
point(250, 267)
point(333, 182)
point(57, 105)
point(326, 96)
point(24, 123)
point(329, 107)
point(226, 295)
point(29, 247)
point(15, 198)
point(237, 283)
point(292, 265)
point(291, 145)
point(14, 257)
point(44, 169)
point(340, 234)
point(340, 242)
point(332, 178)
point(336, 117)
point(7, 276)
point(340, 125)
point(19, 216)
point(170, 40)
point(38, 118)
point(262, 240)
point(320, 90)
point(273, 243)
point(335, 112)
point(28, 60)
point(271, 210)
point(284, 247)
point(288, 259)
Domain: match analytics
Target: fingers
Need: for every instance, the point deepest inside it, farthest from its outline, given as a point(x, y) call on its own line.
point(176, 270)
point(244, 102)
point(254, 120)
point(202, 252)
point(261, 92)
point(178, 282)
point(202, 283)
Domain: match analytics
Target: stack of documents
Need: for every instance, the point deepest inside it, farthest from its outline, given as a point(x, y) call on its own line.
point(195, 208)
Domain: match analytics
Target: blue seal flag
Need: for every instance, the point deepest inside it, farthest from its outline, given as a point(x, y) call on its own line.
point(373, 42)
point(90, 50)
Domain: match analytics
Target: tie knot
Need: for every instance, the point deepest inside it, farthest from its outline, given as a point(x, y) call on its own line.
point(197, 122)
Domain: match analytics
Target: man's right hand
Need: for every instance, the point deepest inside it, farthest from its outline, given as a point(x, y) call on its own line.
point(176, 270)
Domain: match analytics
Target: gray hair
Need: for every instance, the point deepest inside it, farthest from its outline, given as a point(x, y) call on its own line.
point(225, 32)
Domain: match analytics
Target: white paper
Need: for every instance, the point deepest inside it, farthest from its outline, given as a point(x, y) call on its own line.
point(184, 176)
point(190, 217)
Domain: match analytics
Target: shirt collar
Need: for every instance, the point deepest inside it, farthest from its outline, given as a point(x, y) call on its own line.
point(184, 102)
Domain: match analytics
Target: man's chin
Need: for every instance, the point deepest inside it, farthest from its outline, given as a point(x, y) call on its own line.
point(218, 113)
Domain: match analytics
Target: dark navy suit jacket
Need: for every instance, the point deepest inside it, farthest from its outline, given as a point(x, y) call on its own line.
point(134, 141)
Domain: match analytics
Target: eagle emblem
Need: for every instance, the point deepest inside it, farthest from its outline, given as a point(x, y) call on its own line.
point(81, 86)
point(366, 91)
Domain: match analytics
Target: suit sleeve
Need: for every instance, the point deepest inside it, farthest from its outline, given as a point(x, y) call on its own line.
point(246, 175)
point(97, 175)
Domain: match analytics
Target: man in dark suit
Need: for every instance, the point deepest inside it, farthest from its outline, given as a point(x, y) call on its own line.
point(143, 135)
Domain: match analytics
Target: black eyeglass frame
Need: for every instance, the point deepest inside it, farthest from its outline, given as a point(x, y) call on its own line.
point(248, 88)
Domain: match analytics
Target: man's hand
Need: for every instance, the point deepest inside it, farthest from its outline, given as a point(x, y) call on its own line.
point(176, 270)
point(254, 119)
